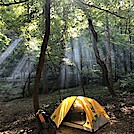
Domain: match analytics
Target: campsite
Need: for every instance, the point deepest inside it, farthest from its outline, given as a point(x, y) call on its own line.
point(17, 116)
point(66, 66)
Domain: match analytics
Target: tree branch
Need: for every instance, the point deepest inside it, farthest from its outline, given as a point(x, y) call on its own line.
point(12, 3)
point(113, 13)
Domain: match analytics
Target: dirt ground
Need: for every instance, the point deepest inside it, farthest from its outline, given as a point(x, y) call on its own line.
point(17, 116)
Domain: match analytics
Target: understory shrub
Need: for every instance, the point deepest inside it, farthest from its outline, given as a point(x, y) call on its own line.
point(126, 84)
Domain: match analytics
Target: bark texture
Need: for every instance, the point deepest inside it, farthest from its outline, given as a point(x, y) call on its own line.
point(42, 56)
point(98, 59)
point(109, 50)
point(41, 63)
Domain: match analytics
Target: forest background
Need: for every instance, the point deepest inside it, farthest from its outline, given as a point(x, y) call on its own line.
point(90, 46)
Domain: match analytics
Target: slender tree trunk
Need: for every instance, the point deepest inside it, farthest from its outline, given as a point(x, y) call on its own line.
point(81, 82)
point(104, 60)
point(125, 60)
point(81, 61)
point(28, 86)
point(41, 60)
point(29, 75)
point(74, 70)
point(42, 56)
point(109, 51)
point(45, 84)
point(98, 59)
point(57, 77)
point(65, 85)
point(131, 63)
point(130, 50)
point(73, 77)
point(116, 63)
point(124, 51)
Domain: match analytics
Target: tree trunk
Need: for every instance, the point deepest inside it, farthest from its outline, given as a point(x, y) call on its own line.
point(80, 55)
point(42, 56)
point(125, 61)
point(74, 71)
point(45, 84)
point(116, 63)
point(131, 63)
point(81, 81)
point(56, 69)
point(41, 59)
point(109, 51)
point(98, 59)
point(65, 85)
point(28, 86)
point(131, 49)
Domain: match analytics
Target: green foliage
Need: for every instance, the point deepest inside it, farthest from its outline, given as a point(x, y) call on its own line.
point(4, 42)
point(127, 84)
point(12, 19)
point(68, 20)
point(4, 88)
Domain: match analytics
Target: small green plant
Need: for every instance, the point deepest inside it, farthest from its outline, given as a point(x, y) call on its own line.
point(127, 84)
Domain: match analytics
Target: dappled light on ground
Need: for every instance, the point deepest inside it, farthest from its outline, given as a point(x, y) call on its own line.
point(17, 116)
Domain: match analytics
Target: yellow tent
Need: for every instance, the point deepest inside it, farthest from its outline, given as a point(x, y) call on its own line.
point(80, 112)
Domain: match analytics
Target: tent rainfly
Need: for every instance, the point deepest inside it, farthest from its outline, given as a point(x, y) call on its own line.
point(80, 112)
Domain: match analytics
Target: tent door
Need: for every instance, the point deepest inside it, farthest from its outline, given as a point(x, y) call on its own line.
point(77, 116)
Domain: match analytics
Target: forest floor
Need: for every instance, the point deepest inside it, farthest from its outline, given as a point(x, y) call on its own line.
point(17, 116)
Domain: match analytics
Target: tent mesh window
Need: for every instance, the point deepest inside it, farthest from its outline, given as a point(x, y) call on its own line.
point(75, 115)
